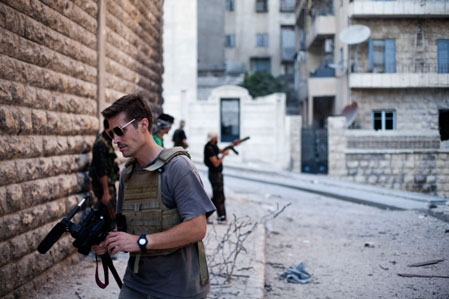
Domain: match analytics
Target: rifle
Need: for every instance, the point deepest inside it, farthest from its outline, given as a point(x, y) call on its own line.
point(92, 230)
point(235, 143)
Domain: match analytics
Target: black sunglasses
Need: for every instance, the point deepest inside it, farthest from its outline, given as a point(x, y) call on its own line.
point(119, 130)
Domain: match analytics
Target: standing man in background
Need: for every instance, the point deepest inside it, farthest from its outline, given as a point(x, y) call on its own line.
point(214, 162)
point(163, 126)
point(104, 170)
point(179, 136)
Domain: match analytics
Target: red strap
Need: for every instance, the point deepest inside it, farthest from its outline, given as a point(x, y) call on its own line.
point(106, 276)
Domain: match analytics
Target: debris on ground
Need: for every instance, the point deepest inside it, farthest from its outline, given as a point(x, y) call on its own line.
point(296, 274)
point(369, 245)
point(432, 262)
point(423, 276)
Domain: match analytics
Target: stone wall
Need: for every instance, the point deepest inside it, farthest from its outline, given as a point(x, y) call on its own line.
point(61, 63)
point(403, 160)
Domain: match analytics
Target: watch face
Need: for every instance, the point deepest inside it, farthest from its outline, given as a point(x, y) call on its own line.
point(142, 241)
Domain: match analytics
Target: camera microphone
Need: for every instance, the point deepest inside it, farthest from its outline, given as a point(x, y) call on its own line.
point(58, 230)
point(52, 237)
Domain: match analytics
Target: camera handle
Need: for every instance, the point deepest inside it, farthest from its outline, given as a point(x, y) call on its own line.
point(107, 263)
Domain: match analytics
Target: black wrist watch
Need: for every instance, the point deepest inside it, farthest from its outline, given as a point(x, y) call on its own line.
point(142, 242)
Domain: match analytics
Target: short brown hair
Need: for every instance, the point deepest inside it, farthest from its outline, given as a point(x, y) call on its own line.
point(134, 107)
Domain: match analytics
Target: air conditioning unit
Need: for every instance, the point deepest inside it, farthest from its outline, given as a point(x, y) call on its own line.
point(328, 45)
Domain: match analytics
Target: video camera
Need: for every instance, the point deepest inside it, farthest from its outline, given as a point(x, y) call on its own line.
point(92, 230)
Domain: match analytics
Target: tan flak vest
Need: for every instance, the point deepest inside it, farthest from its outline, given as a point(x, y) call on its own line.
point(144, 210)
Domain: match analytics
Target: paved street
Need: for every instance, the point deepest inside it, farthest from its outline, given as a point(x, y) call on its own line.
point(351, 250)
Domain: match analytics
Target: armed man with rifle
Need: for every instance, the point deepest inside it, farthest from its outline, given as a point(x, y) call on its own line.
point(213, 158)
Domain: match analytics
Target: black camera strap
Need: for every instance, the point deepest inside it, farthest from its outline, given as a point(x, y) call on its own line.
point(107, 263)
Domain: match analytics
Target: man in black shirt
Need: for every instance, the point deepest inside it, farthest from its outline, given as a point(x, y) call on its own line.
point(215, 165)
point(104, 170)
point(179, 137)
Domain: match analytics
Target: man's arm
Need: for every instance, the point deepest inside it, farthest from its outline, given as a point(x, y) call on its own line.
point(104, 185)
point(182, 234)
point(217, 161)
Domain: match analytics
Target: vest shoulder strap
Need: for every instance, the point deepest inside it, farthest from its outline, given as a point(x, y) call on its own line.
point(166, 156)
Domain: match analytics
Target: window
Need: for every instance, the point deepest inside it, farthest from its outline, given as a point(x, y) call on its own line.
point(443, 55)
point(230, 41)
point(384, 120)
point(382, 55)
point(260, 65)
point(443, 122)
point(288, 5)
point(230, 5)
point(288, 43)
point(262, 40)
point(230, 119)
point(261, 5)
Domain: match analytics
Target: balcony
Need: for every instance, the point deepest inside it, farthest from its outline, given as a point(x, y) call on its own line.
point(406, 76)
point(398, 8)
point(322, 82)
point(322, 27)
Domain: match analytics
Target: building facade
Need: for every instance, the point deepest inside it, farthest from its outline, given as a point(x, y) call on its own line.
point(399, 77)
point(236, 36)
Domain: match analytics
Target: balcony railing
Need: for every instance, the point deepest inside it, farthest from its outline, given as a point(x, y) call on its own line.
point(399, 8)
point(405, 76)
point(405, 68)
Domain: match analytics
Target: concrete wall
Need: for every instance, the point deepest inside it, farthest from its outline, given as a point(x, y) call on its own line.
point(180, 60)
point(211, 36)
point(62, 62)
point(403, 160)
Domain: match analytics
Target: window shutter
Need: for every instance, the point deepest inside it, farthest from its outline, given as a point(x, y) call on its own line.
point(443, 55)
point(390, 56)
point(370, 55)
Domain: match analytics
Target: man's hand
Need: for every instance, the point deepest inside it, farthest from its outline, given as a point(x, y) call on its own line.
point(106, 198)
point(225, 153)
point(121, 241)
point(99, 249)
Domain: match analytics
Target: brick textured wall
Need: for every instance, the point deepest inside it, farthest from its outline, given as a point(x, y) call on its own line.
point(52, 85)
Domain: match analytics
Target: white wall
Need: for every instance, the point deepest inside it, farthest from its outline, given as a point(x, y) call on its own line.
point(180, 60)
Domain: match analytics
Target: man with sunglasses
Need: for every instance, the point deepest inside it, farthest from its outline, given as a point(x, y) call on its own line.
point(163, 199)
point(104, 170)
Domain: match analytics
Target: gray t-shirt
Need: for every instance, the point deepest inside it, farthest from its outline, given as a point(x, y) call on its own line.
point(176, 275)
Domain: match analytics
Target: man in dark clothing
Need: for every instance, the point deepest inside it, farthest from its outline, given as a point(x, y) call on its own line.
point(179, 137)
point(215, 165)
point(104, 170)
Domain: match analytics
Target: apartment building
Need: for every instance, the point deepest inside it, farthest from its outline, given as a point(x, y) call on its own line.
point(238, 36)
point(398, 76)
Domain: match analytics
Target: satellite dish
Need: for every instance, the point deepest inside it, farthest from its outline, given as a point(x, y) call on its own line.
point(350, 112)
point(355, 34)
